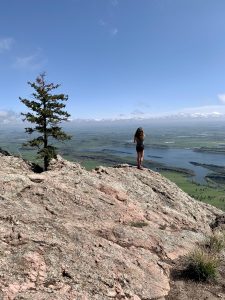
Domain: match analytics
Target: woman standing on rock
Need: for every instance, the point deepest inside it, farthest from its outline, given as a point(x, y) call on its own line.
point(139, 140)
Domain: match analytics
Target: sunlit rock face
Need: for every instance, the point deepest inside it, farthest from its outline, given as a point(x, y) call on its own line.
point(111, 233)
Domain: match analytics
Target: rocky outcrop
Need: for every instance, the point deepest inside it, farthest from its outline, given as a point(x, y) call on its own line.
point(107, 234)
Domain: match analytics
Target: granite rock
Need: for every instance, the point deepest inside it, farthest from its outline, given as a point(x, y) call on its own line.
point(110, 233)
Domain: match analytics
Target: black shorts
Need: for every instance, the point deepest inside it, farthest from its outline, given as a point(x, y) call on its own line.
point(140, 148)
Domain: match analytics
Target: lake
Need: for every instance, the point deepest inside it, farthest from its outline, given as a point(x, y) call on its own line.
point(173, 157)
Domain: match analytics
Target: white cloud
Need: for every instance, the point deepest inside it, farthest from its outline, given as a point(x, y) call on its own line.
point(208, 112)
point(102, 23)
point(6, 44)
point(9, 117)
point(30, 62)
point(137, 112)
point(221, 97)
point(114, 31)
point(114, 2)
point(204, 109)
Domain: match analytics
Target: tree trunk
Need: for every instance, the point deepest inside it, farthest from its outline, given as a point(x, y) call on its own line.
point(46, 160)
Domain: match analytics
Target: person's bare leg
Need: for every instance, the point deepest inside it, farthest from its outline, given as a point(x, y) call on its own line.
point(141, 159)
point(138, 160)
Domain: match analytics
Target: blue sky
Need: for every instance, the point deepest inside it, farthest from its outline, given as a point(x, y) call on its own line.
point(115, 58)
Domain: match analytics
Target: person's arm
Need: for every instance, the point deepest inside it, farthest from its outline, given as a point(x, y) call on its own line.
point(134, 139)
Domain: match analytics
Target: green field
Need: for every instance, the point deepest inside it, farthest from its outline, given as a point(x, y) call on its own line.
point(212, 194)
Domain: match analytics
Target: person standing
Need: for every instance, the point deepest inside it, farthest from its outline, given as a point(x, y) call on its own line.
point(139, 140)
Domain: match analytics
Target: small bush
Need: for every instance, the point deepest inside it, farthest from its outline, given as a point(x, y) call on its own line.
point(216, 242)
point(139, 224)
point(202, 265)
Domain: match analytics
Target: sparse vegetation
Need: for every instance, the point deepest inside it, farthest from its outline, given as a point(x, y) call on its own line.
point(216, 243)
point(138, 224)
point(203, 263)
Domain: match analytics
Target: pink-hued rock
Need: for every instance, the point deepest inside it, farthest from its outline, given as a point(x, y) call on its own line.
point(36, 267)
point(118, 194)
point(106, 234)
point(10, 292)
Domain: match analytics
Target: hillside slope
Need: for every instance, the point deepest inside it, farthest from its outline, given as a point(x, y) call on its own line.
point(107, 234)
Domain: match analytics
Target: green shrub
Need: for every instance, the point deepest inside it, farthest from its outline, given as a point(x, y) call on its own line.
point(202, 265)
point(216, 242)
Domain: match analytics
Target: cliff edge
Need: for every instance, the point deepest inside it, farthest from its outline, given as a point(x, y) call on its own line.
point(107, 234)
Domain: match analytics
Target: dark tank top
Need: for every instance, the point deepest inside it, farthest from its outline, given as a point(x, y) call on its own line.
point(140, 142)
point(139, 145)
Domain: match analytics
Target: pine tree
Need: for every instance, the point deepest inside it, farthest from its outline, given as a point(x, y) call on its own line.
point(46, 113)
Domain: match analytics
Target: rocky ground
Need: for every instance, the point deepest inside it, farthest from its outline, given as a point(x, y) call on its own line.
point(112, 233)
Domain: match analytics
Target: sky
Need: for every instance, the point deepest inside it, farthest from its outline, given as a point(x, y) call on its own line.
point(115, 58)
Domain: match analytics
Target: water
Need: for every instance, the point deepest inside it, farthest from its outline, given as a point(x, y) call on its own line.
point(117, 139)
point(180, 158)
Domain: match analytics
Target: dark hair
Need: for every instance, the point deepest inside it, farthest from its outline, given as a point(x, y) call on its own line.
point(139, 134)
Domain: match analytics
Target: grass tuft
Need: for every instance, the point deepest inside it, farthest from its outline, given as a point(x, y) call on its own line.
point(139, 224)
point(216, 243)
point(202, 265)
